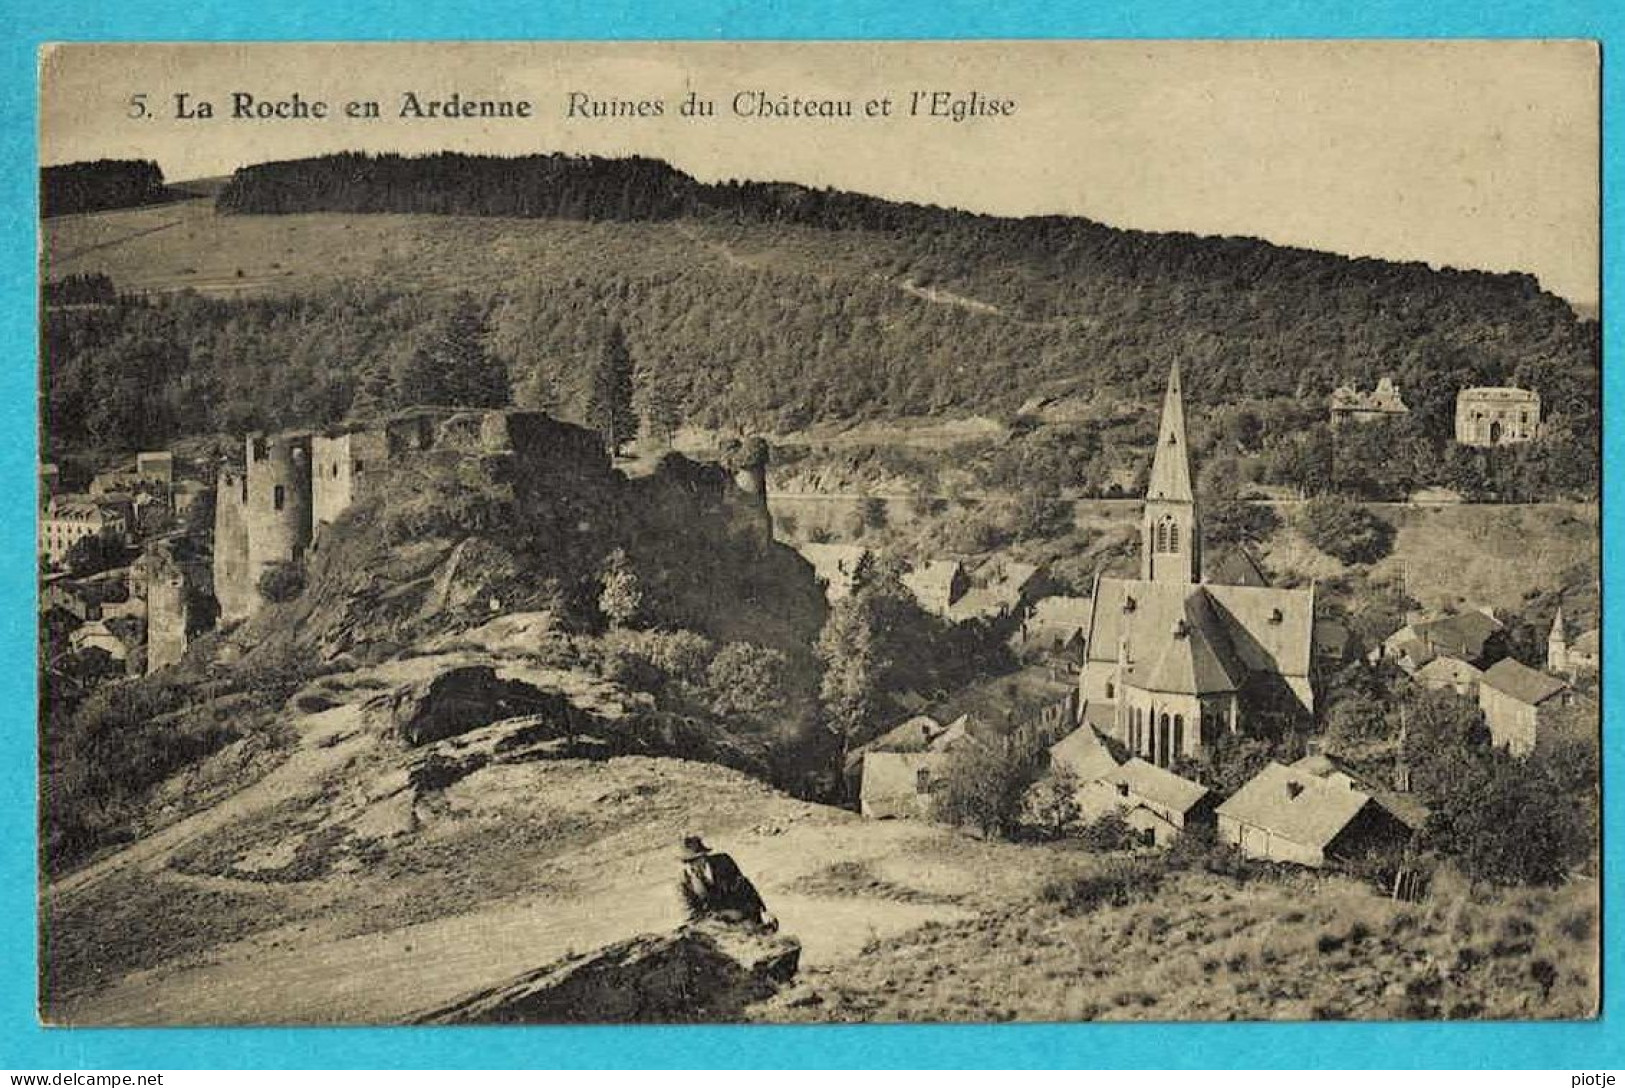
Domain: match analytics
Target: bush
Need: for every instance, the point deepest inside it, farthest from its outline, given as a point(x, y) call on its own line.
point(1108, 833)
point(1118, 883)
point(1345, 529)
point(282, 582)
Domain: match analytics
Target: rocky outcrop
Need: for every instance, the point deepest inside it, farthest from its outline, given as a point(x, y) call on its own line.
point(706, 972)
point(461, 699)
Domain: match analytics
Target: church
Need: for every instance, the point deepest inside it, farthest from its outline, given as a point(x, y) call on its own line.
point(1172, 661)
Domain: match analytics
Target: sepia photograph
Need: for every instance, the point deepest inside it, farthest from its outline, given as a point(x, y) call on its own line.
point(819, 532)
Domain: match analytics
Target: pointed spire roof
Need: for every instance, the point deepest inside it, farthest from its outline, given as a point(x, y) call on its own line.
point(1171, 468)
point(1558, 634)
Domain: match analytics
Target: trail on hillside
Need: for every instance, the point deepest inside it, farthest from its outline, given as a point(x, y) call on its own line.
point(326, 741)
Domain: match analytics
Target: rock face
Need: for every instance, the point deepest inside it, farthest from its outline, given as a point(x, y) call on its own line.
point(706, 971)
point(461, 699)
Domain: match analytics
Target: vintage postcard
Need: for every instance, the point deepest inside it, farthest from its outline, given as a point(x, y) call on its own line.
point(790, 532)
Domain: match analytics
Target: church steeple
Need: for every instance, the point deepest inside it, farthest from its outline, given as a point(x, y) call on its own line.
point(1171, 535)
point(1557, 644)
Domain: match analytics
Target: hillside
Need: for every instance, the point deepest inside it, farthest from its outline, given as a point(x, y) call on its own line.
point(712, 658)
point(769, 308)
point(351, 887)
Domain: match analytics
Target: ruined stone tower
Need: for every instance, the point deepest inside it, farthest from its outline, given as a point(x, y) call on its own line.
point(166, 615)
point(262, 518)
point(232, 589)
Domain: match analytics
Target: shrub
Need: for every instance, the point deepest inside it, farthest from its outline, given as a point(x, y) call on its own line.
point(282, 582)
point(1118, 883)
point(1108, 833)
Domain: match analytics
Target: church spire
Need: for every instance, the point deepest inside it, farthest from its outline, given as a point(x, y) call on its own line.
point(1170, 468)
point(1171, 533)
point(1557, 644)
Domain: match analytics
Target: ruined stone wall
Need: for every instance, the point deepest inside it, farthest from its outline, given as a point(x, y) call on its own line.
point(341, 466)
point(232, 588)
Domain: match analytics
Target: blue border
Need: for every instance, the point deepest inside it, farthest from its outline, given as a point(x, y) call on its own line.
point(23, 1045)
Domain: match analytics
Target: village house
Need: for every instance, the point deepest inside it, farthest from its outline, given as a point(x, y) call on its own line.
point(899, 785)
point(1349, 405)
point(1172, 662)
point(1497, 416)
point(1474, 636)
point(937, 584)
point(1514, 698)
point(997, 590)
point(1289, 814)
point(1084, 755)
point(97, 635)
point(1402, 806)
point(899, 770)
point(1054, 626)
point(69, 519)
point(1158, 804)
point(1449, 674)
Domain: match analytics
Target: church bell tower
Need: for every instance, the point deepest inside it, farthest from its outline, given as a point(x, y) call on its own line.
point(1171, 534)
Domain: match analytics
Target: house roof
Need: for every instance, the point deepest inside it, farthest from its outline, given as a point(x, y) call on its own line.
point(1403, 807)
point(888, 774)
point(1233, 565)
point(1587, 643)
point(836, 564)
point(1246, 627)
point(1461, 635)
point(1449, 670)
point(1520, 682)
point(1295, 804)
point(1063, 614)
point(997, 588)
point(933, 579)
point(1102, 715)
point(1170, 467)
point(1151, 783)
point(1084, 753)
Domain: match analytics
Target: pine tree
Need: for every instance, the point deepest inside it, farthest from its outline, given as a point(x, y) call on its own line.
point(455, 367)
point(609, 400)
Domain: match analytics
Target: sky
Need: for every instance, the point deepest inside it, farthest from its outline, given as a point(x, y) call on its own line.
point(1469, 154)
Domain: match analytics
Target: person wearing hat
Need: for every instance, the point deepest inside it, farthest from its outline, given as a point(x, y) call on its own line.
point(713, 887)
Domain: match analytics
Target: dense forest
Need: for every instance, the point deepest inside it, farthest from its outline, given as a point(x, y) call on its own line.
point(97, 186)
point(765, 308)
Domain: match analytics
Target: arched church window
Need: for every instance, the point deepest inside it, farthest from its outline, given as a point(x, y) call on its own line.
point(1110, 690)
point(1161, 537)
point(1173, 536)
point(1179, 734)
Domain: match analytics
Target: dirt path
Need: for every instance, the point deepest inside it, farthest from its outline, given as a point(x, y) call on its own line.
point(327, 741)
point(297, 974)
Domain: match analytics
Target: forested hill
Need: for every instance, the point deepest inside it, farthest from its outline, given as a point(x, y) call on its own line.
point(560, 186)
point(97, 186)
point(756, 306)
